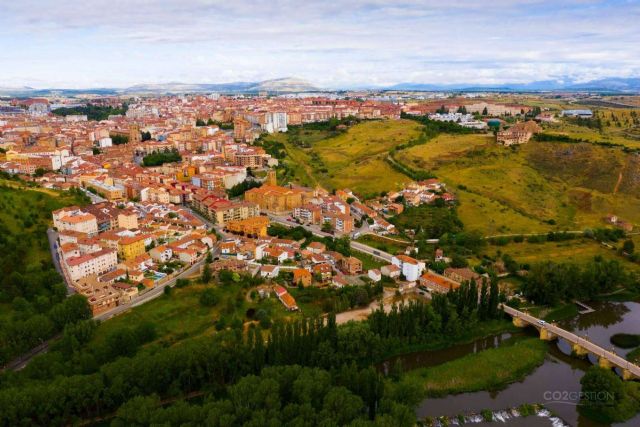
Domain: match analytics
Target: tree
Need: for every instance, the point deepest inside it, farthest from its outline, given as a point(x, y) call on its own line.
point(600, 387)
point(206, 274)
point(200, 122)
point(327, 227)
point(628, 246)
point(485, 112)
point(209, 297)
point(71, 310)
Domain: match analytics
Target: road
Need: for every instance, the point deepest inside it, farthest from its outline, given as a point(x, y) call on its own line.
point(52, 235)
point(376, 253)
point(592, 348)
point(359, 314)
point(151, 294)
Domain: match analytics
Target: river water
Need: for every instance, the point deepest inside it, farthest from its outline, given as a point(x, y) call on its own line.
point(555, 383)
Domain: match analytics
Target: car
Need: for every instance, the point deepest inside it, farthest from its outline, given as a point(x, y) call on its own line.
point(542, 322)
point(376, 252)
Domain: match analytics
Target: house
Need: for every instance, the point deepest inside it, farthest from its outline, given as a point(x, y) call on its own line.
point(269, 271)
point(323, 271)
point(405, 287)
point(390, 270)
point(374, 274)
point(316, 247)
point(161, 253)
point(302, 277)
point(188, 256)
point(437, 283)
point(351, 265)
point(463, 275)
point(285, 298)
point(410, 267)
point(339, 281)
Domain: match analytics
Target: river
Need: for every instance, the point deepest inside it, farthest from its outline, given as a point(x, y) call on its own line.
point(555, 383)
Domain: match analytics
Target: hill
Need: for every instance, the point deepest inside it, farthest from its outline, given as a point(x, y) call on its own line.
point(537, 187)
point(30, 287)
point(352, 158)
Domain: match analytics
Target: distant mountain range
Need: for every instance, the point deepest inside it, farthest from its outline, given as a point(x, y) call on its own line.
point(282, 85)
point(292, 85)
point(613, 84)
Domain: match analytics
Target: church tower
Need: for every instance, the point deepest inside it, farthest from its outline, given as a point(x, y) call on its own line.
point(134, 135)
point(272, 178)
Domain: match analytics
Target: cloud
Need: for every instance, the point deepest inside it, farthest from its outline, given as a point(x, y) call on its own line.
point(122, 42)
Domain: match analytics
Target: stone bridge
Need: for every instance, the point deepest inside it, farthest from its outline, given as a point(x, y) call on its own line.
point(580, 346)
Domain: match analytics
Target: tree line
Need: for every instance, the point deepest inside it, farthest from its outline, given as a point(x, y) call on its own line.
point(231, 360)
point(161, 157)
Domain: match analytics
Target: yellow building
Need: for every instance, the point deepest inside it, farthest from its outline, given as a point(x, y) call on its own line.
point(256, 226)
point(131, 247)
point(276, 199)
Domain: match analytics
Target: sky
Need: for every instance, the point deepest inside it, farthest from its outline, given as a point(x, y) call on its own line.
point(330, 43)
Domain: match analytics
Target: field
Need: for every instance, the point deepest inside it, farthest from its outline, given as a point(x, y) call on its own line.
point(486, 370)
point(181, 315)
point(578, 251)
point(383, 244)
point(353, 159)
point(537, 187)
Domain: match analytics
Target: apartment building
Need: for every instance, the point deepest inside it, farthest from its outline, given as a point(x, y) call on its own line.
point(74, 219)
point(98, 262)
point(411, 268)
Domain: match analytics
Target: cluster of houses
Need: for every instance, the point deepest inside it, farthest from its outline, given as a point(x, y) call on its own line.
point(108, 252)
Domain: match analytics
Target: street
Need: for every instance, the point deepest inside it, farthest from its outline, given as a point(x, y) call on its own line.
point(376, 253)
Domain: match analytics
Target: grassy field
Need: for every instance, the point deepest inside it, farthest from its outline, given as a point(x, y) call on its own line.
point(537, 187)
point(180, 315)
point(386, 245)
point(578, 251)
point(353, 159)
point(486, 370)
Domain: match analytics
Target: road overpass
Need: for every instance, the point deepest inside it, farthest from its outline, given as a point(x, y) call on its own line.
point(580, 346)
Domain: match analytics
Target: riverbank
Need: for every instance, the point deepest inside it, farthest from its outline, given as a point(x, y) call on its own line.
point(479, 331)
point(486, 370)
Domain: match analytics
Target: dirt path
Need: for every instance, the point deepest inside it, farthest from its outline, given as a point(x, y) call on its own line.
point(615, 190)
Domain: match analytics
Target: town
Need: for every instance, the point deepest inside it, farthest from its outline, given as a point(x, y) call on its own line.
point(160, 178)
point(355, 213)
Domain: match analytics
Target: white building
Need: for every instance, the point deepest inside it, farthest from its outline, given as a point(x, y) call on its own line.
point(411, 267)
point(275, 122)
point(73, 219)
point(94, 263)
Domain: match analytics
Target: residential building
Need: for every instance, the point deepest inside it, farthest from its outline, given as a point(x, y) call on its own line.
point(437, 283)
point(94, 263)
point(410, 267)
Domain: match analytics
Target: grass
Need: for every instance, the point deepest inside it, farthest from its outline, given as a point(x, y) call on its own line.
point(368, 261)
point(577, 251)
point(353, 159)
point(486, 370)
point(382, 243)
point(180, 315)
point(537, 187)
point(566, 311)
